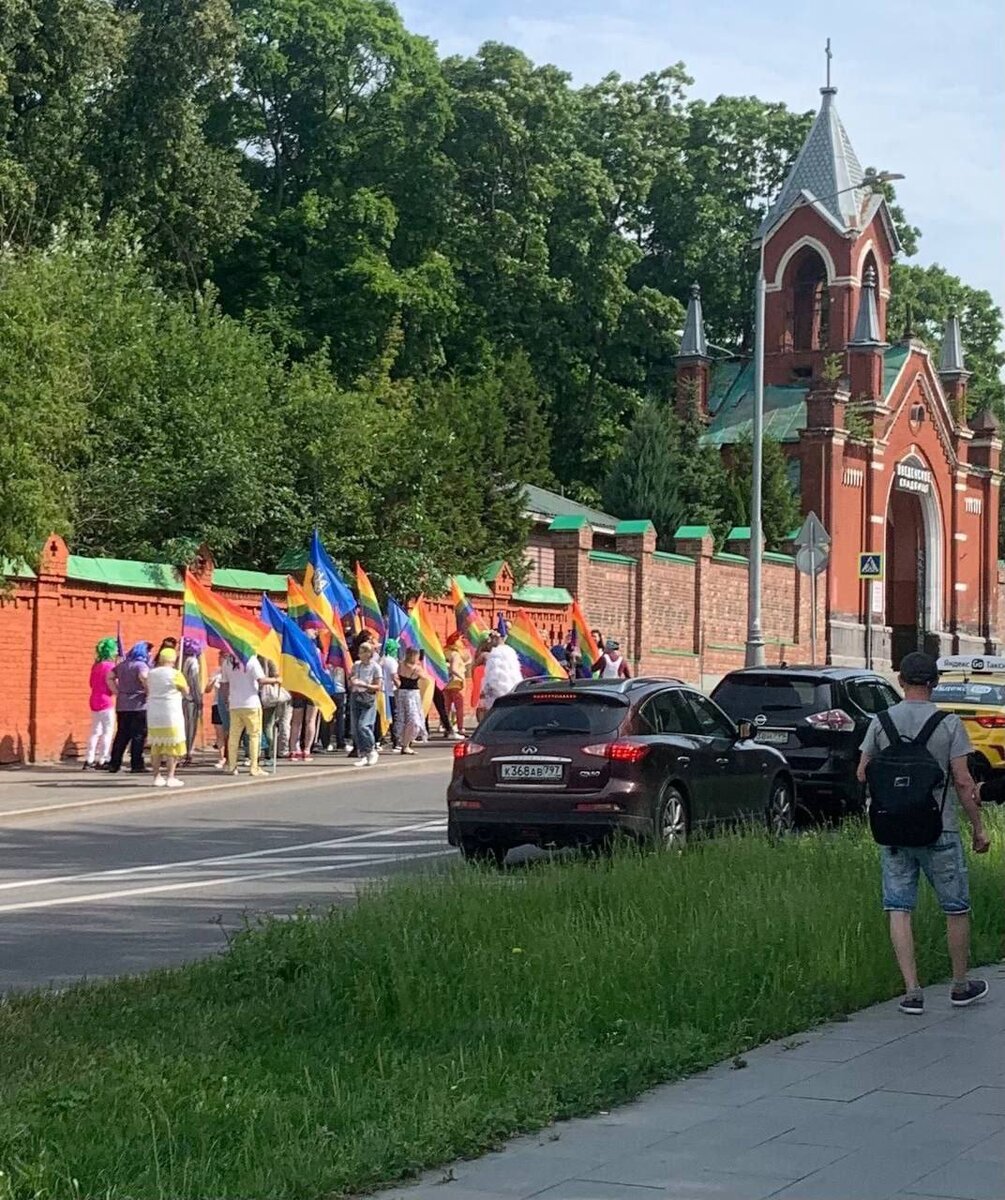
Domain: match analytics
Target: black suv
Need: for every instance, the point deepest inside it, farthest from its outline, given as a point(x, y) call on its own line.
point(817, 717)
point(560, 764)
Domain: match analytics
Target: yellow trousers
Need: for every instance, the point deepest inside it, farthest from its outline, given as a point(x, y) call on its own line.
point(249, 721)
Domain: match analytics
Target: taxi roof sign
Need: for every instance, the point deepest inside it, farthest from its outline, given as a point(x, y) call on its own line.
point(978, 664)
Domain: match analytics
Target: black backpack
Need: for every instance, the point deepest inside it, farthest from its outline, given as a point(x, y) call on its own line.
point(904, 779)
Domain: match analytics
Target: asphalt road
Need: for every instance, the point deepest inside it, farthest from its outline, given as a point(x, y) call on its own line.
point(126, 887)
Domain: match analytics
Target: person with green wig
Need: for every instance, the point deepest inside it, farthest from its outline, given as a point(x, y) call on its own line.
point(389, 671)
point(99, 744)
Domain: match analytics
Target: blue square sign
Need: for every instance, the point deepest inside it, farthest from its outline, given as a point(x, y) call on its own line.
point(871, 564)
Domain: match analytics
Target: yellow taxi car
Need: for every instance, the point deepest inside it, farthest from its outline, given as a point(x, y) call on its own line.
point(974, 689)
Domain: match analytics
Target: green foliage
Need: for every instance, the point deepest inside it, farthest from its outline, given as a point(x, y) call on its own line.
point(929, 295)
point(780, 510)
point(325, 1055)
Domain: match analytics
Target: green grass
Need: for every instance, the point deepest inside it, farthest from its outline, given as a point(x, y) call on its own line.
point(442, 1014)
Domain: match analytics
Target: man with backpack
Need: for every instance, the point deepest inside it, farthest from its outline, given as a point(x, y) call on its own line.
point(914, 759)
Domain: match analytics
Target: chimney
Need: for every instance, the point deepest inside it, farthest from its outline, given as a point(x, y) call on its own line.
point(865, 350)
point(952, 372)
point(693, 363)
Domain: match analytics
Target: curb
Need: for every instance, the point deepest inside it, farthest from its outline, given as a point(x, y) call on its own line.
point(136, 792)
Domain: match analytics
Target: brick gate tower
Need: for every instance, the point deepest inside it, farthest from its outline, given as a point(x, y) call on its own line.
point(878, 436)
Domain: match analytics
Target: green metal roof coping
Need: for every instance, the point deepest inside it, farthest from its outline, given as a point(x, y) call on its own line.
point(124, 573)
point(550, 504)
point(293, 560)
point(736, 558)
point(563, 524)
point(739, 533)
point(607, 556)
point(772, 556)
point(666, 556)
point(493, 569)
point(248, 581)
point(630, 527)
point(471, 586)
point(16, 570)
point(695, 532)
point(542, 595)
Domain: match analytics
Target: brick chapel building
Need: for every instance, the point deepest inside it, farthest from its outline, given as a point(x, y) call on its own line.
point(877, 434)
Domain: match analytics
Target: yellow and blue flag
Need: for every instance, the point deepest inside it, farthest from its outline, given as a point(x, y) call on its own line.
point(300, 666)
point(326, 591)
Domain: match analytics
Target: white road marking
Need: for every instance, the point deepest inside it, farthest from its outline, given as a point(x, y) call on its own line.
point(94, 897)
point(377, 836)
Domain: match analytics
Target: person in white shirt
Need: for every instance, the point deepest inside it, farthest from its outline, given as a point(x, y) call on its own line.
point(245, 710)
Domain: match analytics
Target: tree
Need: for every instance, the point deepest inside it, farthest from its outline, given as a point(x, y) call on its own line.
point(926, 296)
point(780, 510)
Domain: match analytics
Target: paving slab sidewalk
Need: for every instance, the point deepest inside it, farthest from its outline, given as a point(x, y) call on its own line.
point(882, 1105)
point(31, 790)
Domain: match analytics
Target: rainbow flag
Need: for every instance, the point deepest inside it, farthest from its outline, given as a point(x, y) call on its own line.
point(422, 636)
point(469, 625)
point(535, 657)
point(299, 659)
point(338, 650)
point(326, 591)
point(213, 621)
point(298, 609)
point(372, 618)
point(582, 637)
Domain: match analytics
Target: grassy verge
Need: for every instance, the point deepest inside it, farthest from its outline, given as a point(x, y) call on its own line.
point(443, 1013)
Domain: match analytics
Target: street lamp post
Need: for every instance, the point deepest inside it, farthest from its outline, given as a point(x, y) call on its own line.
point(754, 656)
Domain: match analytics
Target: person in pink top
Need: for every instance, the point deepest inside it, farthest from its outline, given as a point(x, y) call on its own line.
point(99, 744)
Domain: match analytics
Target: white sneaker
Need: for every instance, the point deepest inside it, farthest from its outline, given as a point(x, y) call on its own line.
point(175, 782)
point(456, 737)
point(159, 781)
point(372, 758)
point(361, 762)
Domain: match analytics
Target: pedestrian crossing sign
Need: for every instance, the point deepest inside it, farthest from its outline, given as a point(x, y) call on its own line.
point(870, 565)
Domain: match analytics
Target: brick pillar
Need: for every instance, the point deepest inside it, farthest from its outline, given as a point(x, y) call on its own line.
point(44, 708)
point(572, 540)
point(638, 540)
point(697, 542)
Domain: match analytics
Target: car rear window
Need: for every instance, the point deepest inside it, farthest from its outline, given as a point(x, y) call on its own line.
point(973, 692)
point(553, 718)
point(781, 699)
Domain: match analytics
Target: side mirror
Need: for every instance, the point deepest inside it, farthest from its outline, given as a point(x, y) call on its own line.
point(744, 731)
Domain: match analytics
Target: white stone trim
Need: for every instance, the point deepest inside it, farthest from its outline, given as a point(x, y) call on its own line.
point(973, 505)
point(853, 477)
point(960, 537)
point(960, 587)
point(783, 263)
point(877, 520)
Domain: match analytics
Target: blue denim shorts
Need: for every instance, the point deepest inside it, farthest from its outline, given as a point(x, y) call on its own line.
point(945, 869)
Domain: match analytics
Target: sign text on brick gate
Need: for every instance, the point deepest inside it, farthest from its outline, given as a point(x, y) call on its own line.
point(870, 565)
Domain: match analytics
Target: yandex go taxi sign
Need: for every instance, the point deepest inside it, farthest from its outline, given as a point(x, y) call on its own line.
point(977, 664)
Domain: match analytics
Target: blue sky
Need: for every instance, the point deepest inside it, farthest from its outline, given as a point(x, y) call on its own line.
point(921, 86)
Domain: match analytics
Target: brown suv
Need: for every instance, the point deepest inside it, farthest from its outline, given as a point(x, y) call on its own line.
point(571, 764)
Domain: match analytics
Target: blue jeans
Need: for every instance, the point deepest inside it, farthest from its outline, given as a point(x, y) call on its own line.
point(945, 869)
point(364, 714)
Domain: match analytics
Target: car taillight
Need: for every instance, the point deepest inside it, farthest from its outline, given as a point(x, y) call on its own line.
point(989, 722)
point(622, 752)
point(836, 720)
point(464, 749)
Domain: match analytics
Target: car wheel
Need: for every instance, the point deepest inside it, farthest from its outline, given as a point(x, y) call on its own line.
point(483, 852)
point(781, 815)
point(671, 824)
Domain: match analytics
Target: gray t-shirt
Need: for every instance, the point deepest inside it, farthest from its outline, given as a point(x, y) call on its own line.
point(949, 741)
point(365, 673)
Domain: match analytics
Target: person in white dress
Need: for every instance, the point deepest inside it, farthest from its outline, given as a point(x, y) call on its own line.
point(166, 687)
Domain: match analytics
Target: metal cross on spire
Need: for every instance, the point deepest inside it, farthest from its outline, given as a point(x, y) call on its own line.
point(827, 51)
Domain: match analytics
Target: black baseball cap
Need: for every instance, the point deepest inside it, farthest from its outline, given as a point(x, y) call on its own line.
point(919, 669)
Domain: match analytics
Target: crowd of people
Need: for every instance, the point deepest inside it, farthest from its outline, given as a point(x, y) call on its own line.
point(147, 698)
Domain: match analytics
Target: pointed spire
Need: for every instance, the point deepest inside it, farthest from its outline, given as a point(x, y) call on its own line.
point(951, 357)
point(692, 342)
point(867, 325)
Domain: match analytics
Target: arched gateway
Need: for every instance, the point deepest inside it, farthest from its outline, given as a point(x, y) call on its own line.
point(880, 440)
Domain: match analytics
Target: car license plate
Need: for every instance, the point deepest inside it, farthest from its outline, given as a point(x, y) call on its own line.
point(534, 772)
point(774, 737)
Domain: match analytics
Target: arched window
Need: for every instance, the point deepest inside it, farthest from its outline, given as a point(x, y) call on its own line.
point(810, 301)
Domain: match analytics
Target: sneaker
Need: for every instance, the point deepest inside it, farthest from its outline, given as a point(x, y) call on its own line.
point(220, 764)
point(159, 781)
point(360, 762)
point(175, 782)
point(972, 991)
point(258, 773)
point(372, 758)
point(87, 766)
point(913, 1005)
point(456, 737)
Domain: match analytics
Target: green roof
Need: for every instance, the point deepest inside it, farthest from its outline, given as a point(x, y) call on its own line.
point(630, 527)
point(607, 556)
point(292, 560)
point(689, 532)
point(493, 569)
point(739, 533)
point(248, 581)
point(736, 558)
point(542, 595)
point(124, 573)
point(542, 502)
point(562, 524)
point(15, 570)
point(471, 586)
point(731, 401)
point(667, 557)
